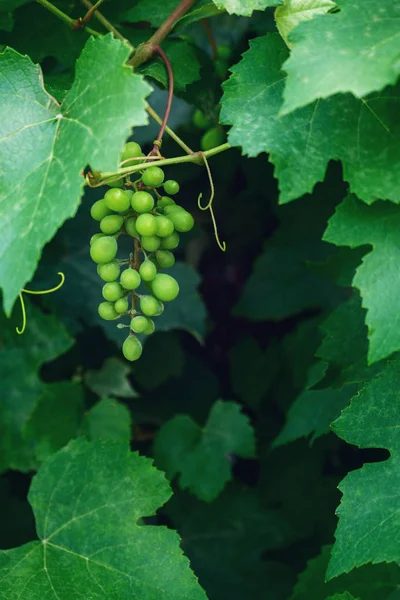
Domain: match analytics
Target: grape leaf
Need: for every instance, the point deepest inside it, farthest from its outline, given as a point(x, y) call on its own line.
point(87, 500)
point(370, 534)
point(355, 224)
point(369, 582)
point(293, 12)
point(362, 133)
point(108, 419)
point(6, 21)
point(202, 10)
point(111, 379)
point(344, 596)
point(154, 12)
point(184, 63)
point(245, 7)
point(201, 455)
point(167, 345)
point(360, 55)
point(20, 360)
point(53, 144)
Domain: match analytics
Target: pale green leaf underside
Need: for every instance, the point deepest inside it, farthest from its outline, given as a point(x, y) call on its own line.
point(294, 12)
point(44, 147)
point(363, 134)
point(354, 50)
point(87, 500)
point(244, 7)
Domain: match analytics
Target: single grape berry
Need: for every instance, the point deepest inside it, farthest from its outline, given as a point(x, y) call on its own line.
point(142, 202)
point(171, 187)
point(104, 249)
point(200, 120)
point(170, 208)
point(130, 227)
point(107, 311)
point(164, 226)
point(132, 348)
point(165, 287)
point(109, 271)
point(117, 200)
point(150, 327)
point(153, 177)
point(146, 224)
point(151, 243)
point(131, 150)
point(112, 291)
point(224, 52)
point(111, 224)
point(130, 279)
point(118, 183)
point(96, 236)
point(150, 306)
point(165, 201)
point(139, 324)
point(182, 220)
point(147, 270)
point(170, 243)
point(165, 259)
point(121, 305)
point(99, 210)
point(212, 138)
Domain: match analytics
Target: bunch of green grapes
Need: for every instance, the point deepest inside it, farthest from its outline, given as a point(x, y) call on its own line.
point(154, 221)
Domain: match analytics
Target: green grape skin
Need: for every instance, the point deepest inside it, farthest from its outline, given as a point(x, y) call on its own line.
point(153, 177)
point(212, 138)
point(172, 208)
point(165, 287)
point(99, 210)
point(109, 271)
point(129, 193)
point(142, 202)
point(164, 226)
point(118, 183)
point(107, 311)
point(130, 227)
point(117, 200)
point(151, 243)
point(132, 348)
point(112, 291)
point(111, 224)
point(147, 270)
point(171, 187)
point(171, 242)
point(165, 201)
point(96, 236)
point(121, 305)
point(150, 327)
point(146, 224)
point(139, 324)
point(182, 220)
point(104, 249)
point(224, 52)
point(150, 306)
point(199, 120)
point(131, 150)
point(165, 259)
point(130, 279)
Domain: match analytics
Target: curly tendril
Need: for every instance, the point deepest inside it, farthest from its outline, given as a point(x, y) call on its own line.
point(208, 206)
point(21, 298)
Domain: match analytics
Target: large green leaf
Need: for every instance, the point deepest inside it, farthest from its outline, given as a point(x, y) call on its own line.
point(294, 12)
point(355, 224)
point(344, 53)
point(111, 379)
point(344, 596)
point(369, 523)
point(44, 147)
point(201, 455)
point(362, 133)
point(108, 420)
point(245, 7)
point(87, 500)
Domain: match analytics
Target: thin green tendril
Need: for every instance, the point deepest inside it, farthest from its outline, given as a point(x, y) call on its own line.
point(21, 298)
point(208, 206)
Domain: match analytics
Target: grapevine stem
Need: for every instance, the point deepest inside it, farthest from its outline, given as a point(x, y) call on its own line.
point(105, 22)
point(61, 15)
point(210, 36)
point(158, 140)
point(168, 130)
point(91, 11)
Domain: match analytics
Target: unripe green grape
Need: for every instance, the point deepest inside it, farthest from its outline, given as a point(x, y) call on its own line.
point(224, 52)
point(111, 224)
point(99, 210)
point(153, 177)
point(182, 220)
point(104, 249)
point(130, 227)
point(171, 187)
point(132, 348)
point(165, 287)
point(129, 193)
point(131, 150)
point(171, 242)
point(165, 201)
point(150, 306)
point(212, 138)
point(96, 236)
point(121, 305)
point(139, 324)
point(165, 259)
point(130, 279)
point(146, 224)
point(109, 271)
point(170, 208)
point(147, 270)
point(142, 202)
point(151, 243)
point(117, 200)
point(112, 291)
point(150, 327)
point(118, 183)
point(200, 120)
point(164, 226)
point(107, 311)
